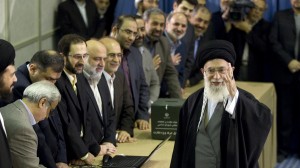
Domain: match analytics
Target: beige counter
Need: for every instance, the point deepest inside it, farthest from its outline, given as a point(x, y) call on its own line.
point(264, 92)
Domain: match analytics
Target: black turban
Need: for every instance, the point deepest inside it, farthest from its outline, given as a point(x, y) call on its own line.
point(216, 49)
point(7, 54)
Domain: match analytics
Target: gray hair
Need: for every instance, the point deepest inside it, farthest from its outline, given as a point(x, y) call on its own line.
point(152, 11)
point(42, 89)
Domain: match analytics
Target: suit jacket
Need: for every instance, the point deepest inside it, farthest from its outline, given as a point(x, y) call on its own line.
point(139, 88)
point(188, 39)
point(51, 147)
point(257, 40)
point(5, 159)
point(103, 128)
point(283, 39)
point(70, 20)
point(73, 112)
point(166, 70)
point(123, 104)
point(150, 75)
point(196, 75)
point(21, 137)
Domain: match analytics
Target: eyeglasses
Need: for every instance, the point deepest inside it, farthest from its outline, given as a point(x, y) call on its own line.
point(114, 55)
point(212, 71)
point(130, 33)
point(79, 56)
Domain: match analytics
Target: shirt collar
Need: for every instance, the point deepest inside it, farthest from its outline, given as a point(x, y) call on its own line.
point(80, 4)
point(29, 114)
point(71, 77)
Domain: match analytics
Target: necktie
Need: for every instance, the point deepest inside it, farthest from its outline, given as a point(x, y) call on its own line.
point(126, 70)
point(73, 82)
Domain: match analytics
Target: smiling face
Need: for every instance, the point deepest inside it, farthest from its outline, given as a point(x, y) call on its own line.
point(214, 72)
point(114, 55)
point(155, 26)
point(76, 59)
point(96, 61)
point(176, 26)
point(127, 33)
point(141, 33)
point(296, 5)
point(200, 21)
point(184, 7)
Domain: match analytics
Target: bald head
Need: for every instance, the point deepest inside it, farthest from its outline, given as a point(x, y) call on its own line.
point(114, 54)
point(96, 61)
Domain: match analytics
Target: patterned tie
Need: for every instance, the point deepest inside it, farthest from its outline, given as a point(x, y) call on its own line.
point(73, 82)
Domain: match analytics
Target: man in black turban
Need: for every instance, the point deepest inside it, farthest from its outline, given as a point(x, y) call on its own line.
point(7, 79)
point(220, 125)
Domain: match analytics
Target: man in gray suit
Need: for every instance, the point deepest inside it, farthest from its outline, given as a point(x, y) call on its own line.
point(149, 70)
point(39, 99)
point(157, 44)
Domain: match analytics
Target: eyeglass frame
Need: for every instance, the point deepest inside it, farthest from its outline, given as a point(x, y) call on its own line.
point(212, 71)
point(114, 55)
point(79, 56)
point(129, 32)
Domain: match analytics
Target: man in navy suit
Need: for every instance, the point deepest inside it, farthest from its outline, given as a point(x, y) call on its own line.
point(44, 65)
point(102, 114)
point(284, 39)
point(125, 31)
point(7, 80)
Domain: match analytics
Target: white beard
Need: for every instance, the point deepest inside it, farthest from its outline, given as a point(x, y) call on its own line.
point(215, 93)
point(92, 72)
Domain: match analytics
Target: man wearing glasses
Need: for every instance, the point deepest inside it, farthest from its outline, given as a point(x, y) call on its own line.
point(125, 32)
point(220, 124)
point(73, 109)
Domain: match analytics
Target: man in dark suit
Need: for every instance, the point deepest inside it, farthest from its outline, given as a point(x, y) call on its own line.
point(44, 65)
point(158, 44)
point(80, 17)
point(7, 80)
point(284, 39)
point(101, 113)
point(200, 19)
point(73, 109)
point(40, 98)
point(120, 93)
point(125, 32)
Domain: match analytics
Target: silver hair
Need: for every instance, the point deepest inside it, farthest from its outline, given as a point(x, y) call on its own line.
point(42, 89)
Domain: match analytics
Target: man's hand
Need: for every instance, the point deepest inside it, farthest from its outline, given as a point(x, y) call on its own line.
point(229, 81)
point(142, 124)
point(176, 59)
point(111, 149)
point(156, 61)
point(294, 66)
point(90, 159)
point(62, 165)
point(124, 136)
point(245, 25)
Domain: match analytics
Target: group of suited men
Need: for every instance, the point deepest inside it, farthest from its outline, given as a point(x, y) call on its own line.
point(107, 85)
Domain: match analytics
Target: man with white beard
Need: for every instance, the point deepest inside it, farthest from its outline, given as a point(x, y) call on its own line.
point(101, 113)
point(220, 125)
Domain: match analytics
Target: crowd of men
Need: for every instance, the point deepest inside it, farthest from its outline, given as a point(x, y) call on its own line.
point(73, 104)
